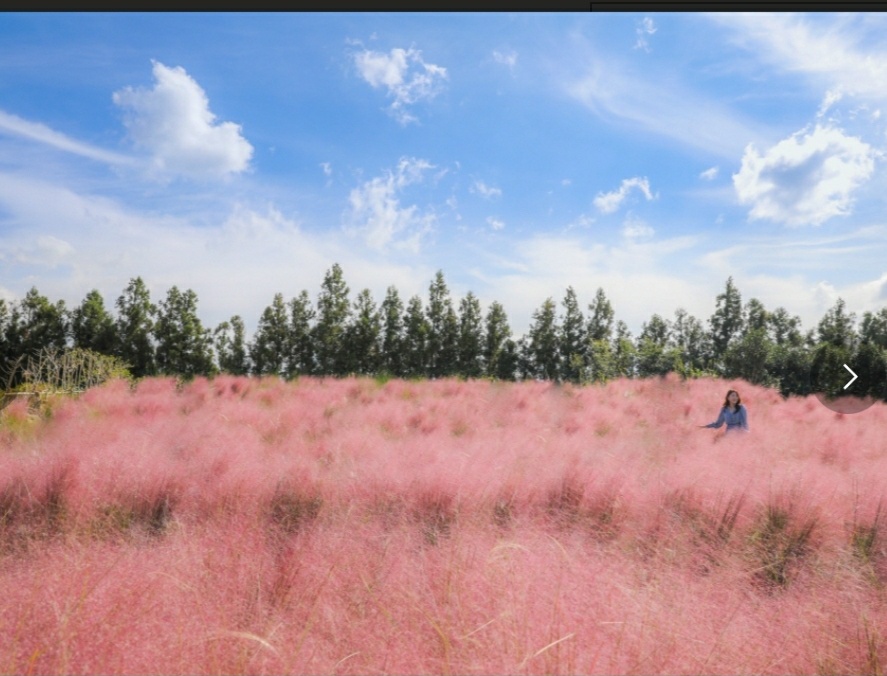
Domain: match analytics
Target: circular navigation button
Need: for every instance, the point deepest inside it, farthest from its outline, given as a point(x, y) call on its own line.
point(847, 382)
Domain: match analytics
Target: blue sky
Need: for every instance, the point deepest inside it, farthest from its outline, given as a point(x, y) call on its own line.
point(652, 155)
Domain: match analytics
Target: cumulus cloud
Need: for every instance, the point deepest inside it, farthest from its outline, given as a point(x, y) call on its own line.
point(806, 178)
point(484, 190)
point(709, 174)
point(173, 123)
point(375, 211)
point(611, 201)
point(404, 74)
point(645, 27)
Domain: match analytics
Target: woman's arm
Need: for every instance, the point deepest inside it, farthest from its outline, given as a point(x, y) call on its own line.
point(717, 423)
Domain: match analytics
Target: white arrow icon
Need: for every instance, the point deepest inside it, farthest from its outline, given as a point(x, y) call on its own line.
point(852, 374)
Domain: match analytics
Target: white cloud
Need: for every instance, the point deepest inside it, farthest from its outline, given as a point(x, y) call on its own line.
point(672, 111)
point(827, 48)
point(508, 58)
point(375, 211)
point(634, 228)
point(583, 221)
point(173, 123)
point(327, 168)
point(611, 201)
point(12, 124)
point(709, 174)
point(806, 178)
point(832, 96)
point(645, 27)
point(495, 223)
point(235, 261)
point(482, 189)
point(407, 78)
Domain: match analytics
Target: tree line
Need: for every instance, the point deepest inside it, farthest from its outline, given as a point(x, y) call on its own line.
point(443, 337)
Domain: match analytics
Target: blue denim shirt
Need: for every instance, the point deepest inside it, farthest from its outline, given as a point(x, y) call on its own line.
point(736, 420)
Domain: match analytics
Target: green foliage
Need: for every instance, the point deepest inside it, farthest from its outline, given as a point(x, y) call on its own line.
point(184, 346)
point(392, 333)
point(471, 338)
point(726, 323)
point(231, 348)
point(443, 330)
point(135, 326)
point(415, 342)
point(600, 320)
point(270, 345)
point(827, 372)
point(300, 360)
point(333, 313)
point(362, 336)
point(542, 348)
point(837, 327)
point(572, 339)
point(497, 335)
point(92, 326)
point(338, 337)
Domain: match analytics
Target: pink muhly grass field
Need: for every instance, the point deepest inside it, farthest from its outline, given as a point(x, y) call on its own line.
point(345, 526)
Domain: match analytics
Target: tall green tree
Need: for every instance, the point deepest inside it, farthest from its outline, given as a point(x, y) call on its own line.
point(333, 314)
point(43, 324)
point(827, 373)
point(415, 342)
point(873, 328)
point(600, 317)
point(542, 347)
point(726, 323)
point(689, 338)
point(573, 340)
point(184, 346)
point(624, 352)
point(10, 343)
point(300, 356)
point(231, 347)
point(92, 326)
point(784, 328)
point(471, 338)
point(653, 356)
point(271, 343)
point(392, 338)
point(362, 336)
point(870, 362)
point(837, 327)
point(497, 335)
point(751, 358)
point(756, 315)
point(602, 361)
point(751, 355)
point(135, 329)
point(443, 329)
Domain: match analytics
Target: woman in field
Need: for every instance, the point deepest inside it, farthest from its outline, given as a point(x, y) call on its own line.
point(733, 413)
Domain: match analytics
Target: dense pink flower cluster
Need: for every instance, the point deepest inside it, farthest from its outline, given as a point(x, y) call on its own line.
point(350, 526)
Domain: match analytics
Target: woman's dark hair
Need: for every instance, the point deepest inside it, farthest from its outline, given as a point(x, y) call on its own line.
point(727, 399)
